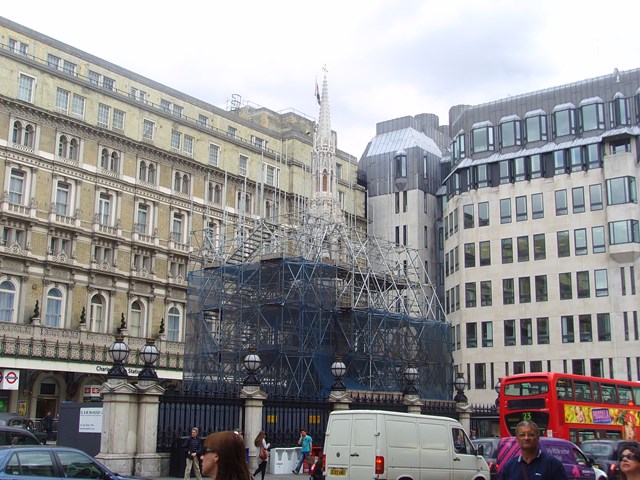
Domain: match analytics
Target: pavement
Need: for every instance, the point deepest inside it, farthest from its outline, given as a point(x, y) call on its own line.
point(268, 476)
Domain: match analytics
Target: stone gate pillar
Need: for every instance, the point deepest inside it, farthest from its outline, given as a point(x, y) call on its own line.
point(254, 398)
point(147, 461)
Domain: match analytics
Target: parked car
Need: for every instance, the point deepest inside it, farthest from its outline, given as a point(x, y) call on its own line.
point(17, 436)
point(35, 462)
point(21, 421)
point(605, 454)
point(576, 463)
point(488, 447)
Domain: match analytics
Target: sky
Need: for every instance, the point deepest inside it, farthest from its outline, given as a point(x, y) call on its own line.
point(384, 59)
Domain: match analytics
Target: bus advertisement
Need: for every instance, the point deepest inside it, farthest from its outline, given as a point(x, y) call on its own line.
point(573, 407)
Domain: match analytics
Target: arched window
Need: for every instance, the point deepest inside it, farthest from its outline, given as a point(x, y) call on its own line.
point(135, 319)
point(29, 134)
point(151, 178)
point(173, 325)
point(113, 165)
point(7, 300)
point(104, 159)
point(217, 194)
point(177, 182)
point(62, 146)
point(96, 314)
point(142, 171)
point(17, 132)
point(74, 147)
point(53, 315)
point(185, 184)
point(325, 181)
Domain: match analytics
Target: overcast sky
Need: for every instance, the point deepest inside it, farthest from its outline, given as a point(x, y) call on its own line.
point(385, 58)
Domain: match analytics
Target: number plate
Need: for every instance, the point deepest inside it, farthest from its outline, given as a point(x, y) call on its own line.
point(338, 472)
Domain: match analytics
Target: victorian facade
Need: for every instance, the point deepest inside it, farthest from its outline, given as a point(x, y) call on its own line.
point(113, 186)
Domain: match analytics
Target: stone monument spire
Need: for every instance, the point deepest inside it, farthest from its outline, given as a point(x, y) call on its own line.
point(324, 198)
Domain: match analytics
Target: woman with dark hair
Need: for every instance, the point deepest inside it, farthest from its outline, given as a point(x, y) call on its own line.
point(223, 457)
point(261, 443)
point(629, 461)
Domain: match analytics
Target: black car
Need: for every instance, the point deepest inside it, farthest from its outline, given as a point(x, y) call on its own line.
point(487, 447)
point(605, 454)
point(17, 436)
point(35, 462)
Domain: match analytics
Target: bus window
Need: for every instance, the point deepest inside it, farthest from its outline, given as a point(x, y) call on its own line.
point(564, 389)
point(624, 394)
point(636, 395)
point(582, 390)
point(608, 393)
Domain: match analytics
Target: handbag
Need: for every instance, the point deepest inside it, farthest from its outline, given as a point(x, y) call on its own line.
point(263, 453)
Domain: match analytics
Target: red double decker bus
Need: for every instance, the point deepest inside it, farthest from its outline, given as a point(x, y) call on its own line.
point(573, 407)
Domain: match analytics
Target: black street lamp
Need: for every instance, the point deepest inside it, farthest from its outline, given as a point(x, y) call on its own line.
point(149, 355)
point(118, 351)
point(460, 385)
point(410, 375)
point(338, 369)
point(252, 363)
point(497, 389)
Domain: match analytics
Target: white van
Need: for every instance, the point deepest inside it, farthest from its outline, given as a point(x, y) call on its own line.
point(375, 444)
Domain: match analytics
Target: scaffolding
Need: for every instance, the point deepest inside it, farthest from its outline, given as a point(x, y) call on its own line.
point(300, 290)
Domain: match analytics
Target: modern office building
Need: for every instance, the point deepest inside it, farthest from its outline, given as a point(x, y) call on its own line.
point(112, 186)
point(541, 238)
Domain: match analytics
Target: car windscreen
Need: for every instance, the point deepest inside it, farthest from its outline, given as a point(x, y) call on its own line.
point(598, 450)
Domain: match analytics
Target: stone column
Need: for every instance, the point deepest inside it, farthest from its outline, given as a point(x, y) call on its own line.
point(413, 402)
point(119, 425)
point(147, 462)
point(340, 399)
point(464, 414)
point(254, 398)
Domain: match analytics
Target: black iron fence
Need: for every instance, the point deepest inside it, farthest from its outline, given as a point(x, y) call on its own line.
point(282, 420)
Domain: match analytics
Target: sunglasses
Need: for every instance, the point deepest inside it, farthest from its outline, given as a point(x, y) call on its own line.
point(206, 450)
point(630, 456)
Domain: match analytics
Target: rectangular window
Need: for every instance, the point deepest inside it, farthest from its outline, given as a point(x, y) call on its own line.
point(69, 67)
point(483, 214)
point(559, 162)
point(243, 165)
point(485, 293)
point(564, 122)
point(539, 247)
point(585, 329)
point(177, 110)
point(203, 120)
point(505, 171)
point(542, 324)
point(77, 106)
point(524, 289)
point(505, 210)
point(16, 187)
point(480, 376)
point(621, 190)
point(108, 83)
point(582, 282)
point(487, 334)
point(624, 231)
point(175, 139)
point(26, 85)
point(521, 209)
point(165, 105)
point(561, 202)
point(526, 331)
point(577, 195)
point(467, 212)
point(601, 282)
point(272, 176)
point(536, 128)
point(597, 240)
point(595, 197)
point(142, 217)
point(520, 169)
point(62, 198)
point(118, 119)
point(604, 327)
point(510, 133)
point(537, 206)
point(541, 288)
point(536, 166)
point(509, 333)
point(469, 255)
point(507, 250)
point(568, 335)
point(482, 139)
point(575, 159)
point(523, 249)
point(580, 241)
point(104, 209)
point(188, 145)
point(564, 246)
point(62, 100)
point(470, 294)
point(566, 289)
point(148, 128)
point(485, 253)
point(591, 117)
point(508, 291)
point(472, 338)
point(104, 112)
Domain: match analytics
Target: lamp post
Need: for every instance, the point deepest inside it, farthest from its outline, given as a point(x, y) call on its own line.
point(497, 389)
point(459, 383)
point(118, 351)
point(252, 363)
point(149, 355)
point(410, 375)
point(338, 369)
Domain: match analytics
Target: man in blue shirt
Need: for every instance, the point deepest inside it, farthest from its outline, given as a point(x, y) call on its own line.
point(532, 463)
point(306, 442)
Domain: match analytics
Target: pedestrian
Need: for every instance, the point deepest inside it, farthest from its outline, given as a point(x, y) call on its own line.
point(47, 423)
point(223, 457)
point(532, 463)
point(473, 434)
point(192, 450)
point(306, 442)
point(263, 453)
point(630, 461)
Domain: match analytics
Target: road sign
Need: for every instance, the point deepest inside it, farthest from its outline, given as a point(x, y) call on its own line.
point(10, 379)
